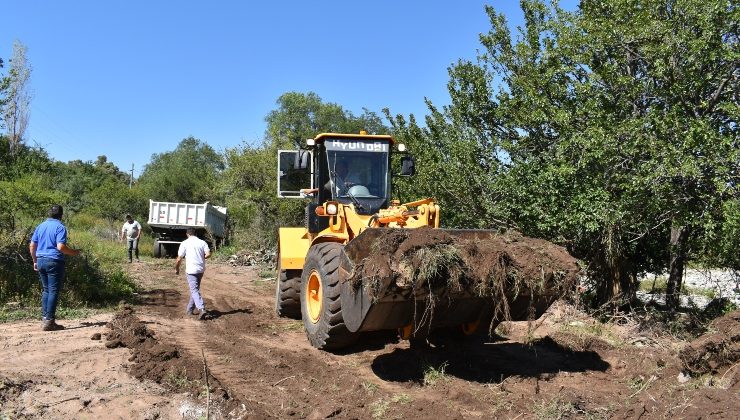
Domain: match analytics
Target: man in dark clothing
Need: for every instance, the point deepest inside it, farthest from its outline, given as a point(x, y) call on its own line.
point(48, 247)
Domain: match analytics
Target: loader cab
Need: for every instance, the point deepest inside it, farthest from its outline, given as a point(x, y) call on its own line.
point(355, 171)
point(348, 168)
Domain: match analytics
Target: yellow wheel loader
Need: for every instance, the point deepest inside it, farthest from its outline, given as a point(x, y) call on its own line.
point(345, 271)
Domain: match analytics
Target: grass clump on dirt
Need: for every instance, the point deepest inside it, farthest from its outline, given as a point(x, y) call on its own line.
point(402, 399)
point(435, 374)
point(582, 335)
point(557, 408)
point(370, 387)
point(380, 408)
point(177, 379)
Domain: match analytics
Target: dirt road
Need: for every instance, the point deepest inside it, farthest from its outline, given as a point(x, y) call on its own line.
point(263, 367)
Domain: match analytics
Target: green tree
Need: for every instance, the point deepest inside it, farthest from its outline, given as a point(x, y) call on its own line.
point(304, 115)
point(114, 199)
point(16, 101)
point(4, 83)
point(188, 174)
point(79, 179)
point(26, 199)
point(26, 160)
point(613, 131)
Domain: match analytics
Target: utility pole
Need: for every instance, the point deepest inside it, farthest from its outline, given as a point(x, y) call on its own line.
point(131, 180)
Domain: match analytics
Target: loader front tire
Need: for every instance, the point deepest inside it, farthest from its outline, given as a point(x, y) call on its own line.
point(321, 303)
point(287, 293)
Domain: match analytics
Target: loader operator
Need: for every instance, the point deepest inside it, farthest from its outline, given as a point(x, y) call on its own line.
point(341, 180)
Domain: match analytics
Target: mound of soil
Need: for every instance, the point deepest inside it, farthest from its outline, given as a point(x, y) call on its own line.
point(716, 349)
point(150, 356)
point(159, 362)
point(503, 266)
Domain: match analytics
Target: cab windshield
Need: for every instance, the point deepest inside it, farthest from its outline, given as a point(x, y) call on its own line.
point(358, 169)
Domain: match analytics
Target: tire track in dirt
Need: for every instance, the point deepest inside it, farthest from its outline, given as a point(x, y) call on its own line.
point(264, 361)
point(225, 338)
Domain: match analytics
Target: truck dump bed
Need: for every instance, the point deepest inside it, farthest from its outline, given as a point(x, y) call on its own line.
point(171, 216)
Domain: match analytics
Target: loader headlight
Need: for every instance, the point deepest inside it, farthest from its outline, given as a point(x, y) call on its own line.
point(331, 209)
point(401, 147)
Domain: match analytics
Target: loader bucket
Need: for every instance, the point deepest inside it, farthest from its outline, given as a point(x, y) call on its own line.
point(431, 278)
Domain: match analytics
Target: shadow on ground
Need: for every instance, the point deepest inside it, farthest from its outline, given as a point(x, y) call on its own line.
point(87, 325)
point(215, 313)
point(486, 362)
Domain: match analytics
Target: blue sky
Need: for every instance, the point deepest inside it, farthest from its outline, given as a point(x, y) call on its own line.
point(129, 79)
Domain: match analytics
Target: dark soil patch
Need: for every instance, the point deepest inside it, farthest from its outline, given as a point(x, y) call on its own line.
point(162, 363)
point(717, 349)
point(11, 389)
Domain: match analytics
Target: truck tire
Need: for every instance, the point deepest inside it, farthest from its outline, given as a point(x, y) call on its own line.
point(157, 249)
point(321, 303)
point(287, 293)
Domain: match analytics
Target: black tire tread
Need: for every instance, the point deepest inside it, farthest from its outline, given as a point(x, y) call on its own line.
point(288, 293)
point(331, 332)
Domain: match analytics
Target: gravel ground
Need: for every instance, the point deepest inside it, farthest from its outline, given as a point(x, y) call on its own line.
point(724, 284)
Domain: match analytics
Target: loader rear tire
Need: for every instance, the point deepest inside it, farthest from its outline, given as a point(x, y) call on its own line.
point(321, 303)
point(287, 293)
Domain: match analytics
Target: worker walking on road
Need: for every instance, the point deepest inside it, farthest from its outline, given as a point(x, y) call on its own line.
point(195, 251)
point(48, 247)
point(132, 231)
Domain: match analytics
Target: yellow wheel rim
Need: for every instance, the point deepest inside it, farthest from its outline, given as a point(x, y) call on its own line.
point(313, 297)
point(470, 328)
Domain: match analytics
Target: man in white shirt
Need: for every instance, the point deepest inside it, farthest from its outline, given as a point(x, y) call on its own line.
point(132, 231)
point(195, 251)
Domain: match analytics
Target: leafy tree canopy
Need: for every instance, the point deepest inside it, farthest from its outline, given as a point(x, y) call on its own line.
point(612, 129)
point(304, 115)
point(190, 173)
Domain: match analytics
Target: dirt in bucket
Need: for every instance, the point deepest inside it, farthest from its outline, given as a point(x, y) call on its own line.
point(501, 266)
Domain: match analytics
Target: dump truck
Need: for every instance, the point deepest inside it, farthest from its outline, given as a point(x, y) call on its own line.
point(169, 222)
point(366, 262)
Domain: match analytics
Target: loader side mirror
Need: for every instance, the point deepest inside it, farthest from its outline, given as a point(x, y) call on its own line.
point(294, 173)
point(408, 166)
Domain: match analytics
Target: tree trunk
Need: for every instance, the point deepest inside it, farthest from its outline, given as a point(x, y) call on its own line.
point(679, 238)
point(619, 283)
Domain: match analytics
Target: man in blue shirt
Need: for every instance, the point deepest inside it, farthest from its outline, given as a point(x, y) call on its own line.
point(48, 247)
